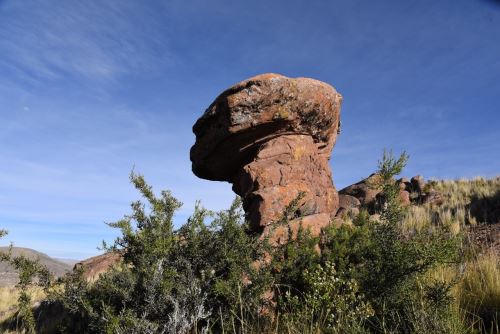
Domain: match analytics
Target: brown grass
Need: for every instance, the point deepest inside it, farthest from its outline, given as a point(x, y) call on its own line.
point(8, 300)
point(477, 289)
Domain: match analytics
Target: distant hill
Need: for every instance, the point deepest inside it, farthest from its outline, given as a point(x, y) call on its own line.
point(70, 262)
point(8, 275)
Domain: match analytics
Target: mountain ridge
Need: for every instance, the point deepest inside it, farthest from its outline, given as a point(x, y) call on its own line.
point(8, 275)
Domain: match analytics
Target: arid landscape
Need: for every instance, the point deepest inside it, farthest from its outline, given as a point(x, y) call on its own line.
point(292, 254)
point(469, 208)
point(274, 167)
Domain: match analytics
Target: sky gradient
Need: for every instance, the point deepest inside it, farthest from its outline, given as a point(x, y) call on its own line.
point(90, 90)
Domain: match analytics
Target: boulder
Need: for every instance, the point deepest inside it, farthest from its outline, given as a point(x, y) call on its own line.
point(404, 196)
point(404, 180)
point(404, 184)
point(271, 137)
point(432, 197)
point(418, 183)
point(95, 266)
point(365, 191)
point(348, 202)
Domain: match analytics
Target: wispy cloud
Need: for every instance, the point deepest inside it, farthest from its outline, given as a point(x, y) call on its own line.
point(91, 88)
point(89, 40)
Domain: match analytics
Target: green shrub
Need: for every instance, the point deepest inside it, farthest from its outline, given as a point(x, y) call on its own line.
point(390, 263)
point(171, 281)
point(213, 275)
point(328, 303)
point(31, 275)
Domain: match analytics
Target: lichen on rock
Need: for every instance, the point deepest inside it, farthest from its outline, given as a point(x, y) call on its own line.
point(271, 137)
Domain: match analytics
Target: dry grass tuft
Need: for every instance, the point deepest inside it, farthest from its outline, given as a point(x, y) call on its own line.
point(478, 292)
point(467, 203)
point(9, 296)
point(8, 301)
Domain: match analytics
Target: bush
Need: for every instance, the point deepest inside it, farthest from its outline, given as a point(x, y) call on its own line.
point(170, 281)
point(213, 275)
point(329, 303)
point(389, 263)
point(32, 276)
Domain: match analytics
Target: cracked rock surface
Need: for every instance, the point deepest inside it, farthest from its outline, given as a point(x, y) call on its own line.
point(271, 137)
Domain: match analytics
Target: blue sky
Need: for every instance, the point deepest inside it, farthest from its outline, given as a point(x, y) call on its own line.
point(91, 89)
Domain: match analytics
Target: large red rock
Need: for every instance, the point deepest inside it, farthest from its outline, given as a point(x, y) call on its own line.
point(96, 266)
point(271, 137)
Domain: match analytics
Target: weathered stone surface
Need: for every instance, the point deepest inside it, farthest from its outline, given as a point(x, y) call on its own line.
point(350, 213)
point(402, 186)
point(272, 136)
point(348, 207)
point(365, 191)
point(404, 196)
point(348, 202)
point(95, 266)
point(280, 234)
point(432, 197)
point(404, 180)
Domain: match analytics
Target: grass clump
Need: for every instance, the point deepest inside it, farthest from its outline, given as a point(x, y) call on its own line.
point(478, 292)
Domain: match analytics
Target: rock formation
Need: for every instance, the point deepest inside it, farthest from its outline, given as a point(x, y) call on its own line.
point(95, 266)
point(367, 194)
point(271, 137)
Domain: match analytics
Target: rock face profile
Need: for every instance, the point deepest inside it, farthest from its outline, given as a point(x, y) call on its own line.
point(271, 137)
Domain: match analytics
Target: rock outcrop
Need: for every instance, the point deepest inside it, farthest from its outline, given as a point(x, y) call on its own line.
point(365, 191)
point(271, 137)
point(367, 194)
point(95, 266)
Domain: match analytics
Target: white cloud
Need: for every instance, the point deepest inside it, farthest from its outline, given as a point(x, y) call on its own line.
point(92, 40)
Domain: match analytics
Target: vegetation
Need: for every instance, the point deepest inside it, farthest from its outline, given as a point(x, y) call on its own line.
point(33, 277)
point(468, 207)
point(466, 202)
point(408, 271)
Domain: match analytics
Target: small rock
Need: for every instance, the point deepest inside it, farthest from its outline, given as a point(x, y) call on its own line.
point(418, 183)
point(348, 201)
point(365, 191)
point(404, 196)
point(432, 197)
